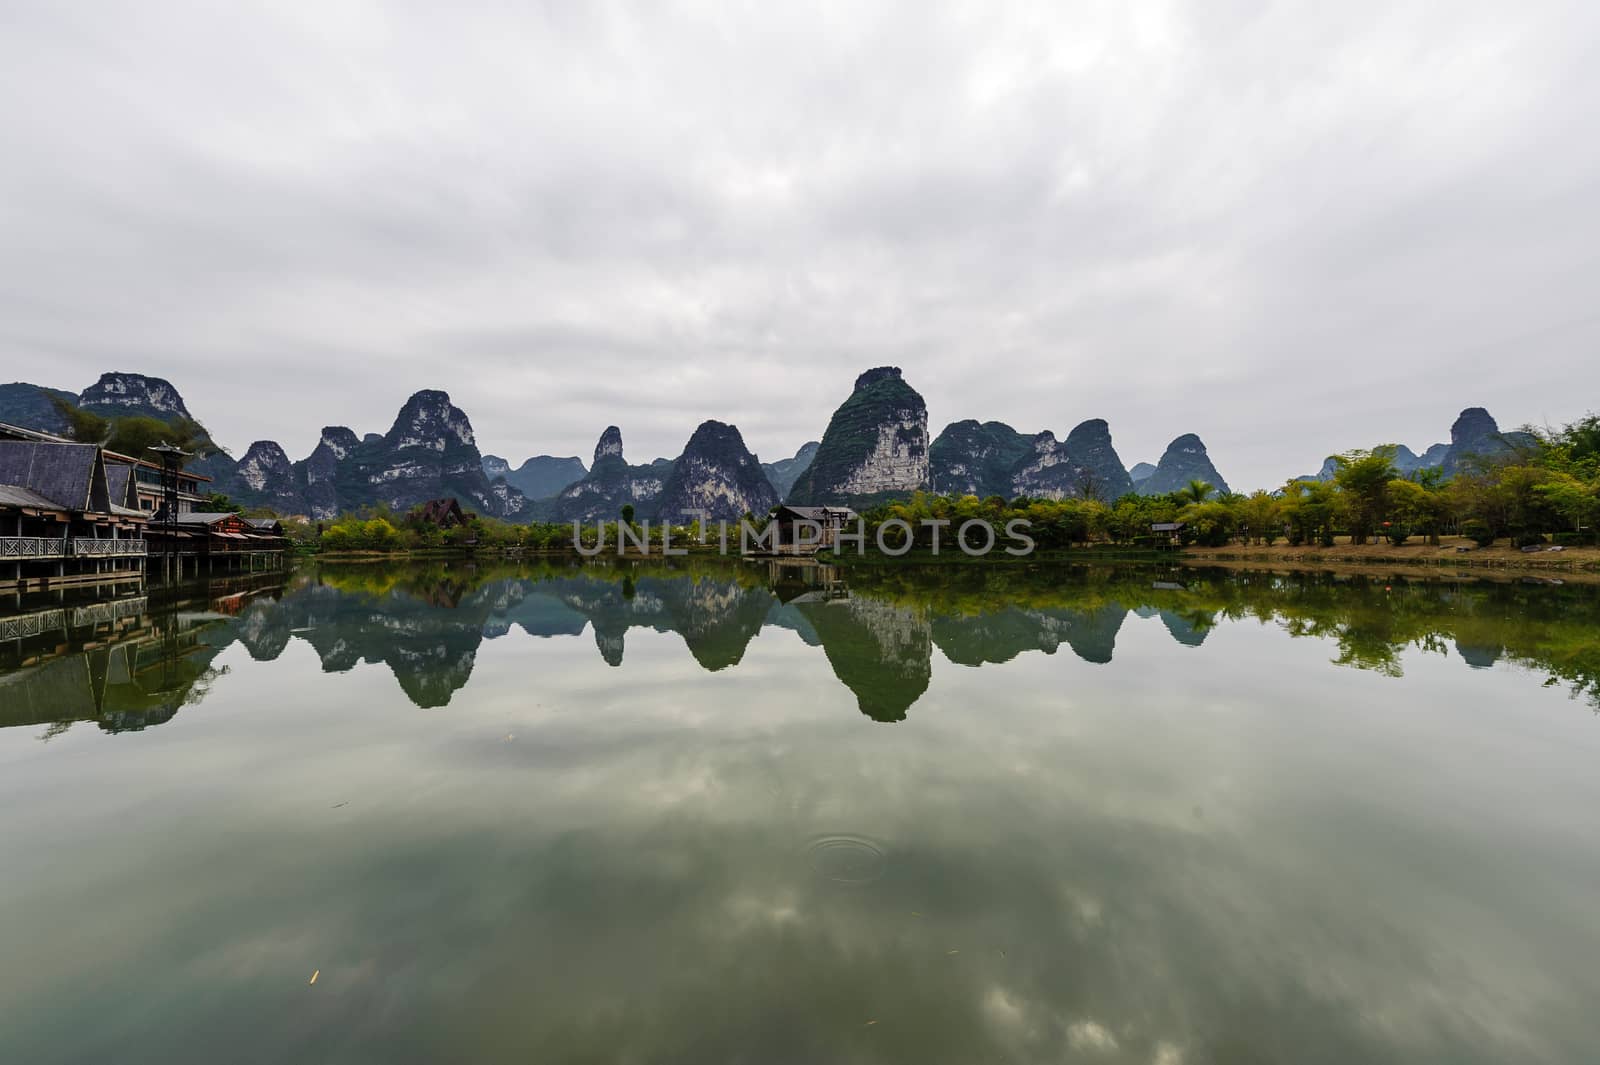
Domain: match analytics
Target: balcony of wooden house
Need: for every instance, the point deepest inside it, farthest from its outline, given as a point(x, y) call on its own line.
point(60, 523)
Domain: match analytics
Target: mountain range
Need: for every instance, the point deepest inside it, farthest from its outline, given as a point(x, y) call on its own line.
point(876, 447)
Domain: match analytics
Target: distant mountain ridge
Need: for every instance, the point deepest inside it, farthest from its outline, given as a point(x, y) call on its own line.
point(539, 477)
point(1474, 435)
point(785, 472)
point(876, 448)
point(992, 458)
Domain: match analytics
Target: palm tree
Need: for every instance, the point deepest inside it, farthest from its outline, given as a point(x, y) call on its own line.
point(1195, 491)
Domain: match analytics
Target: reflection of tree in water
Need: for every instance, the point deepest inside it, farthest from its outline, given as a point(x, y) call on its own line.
point(129, 666)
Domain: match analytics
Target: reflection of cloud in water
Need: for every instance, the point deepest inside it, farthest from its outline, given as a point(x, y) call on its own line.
point(627, 882)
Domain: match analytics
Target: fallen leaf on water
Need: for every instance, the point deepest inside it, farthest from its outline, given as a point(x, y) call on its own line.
point(314, 977)
point(871, 1023)
point(914, 913)
point(339, 804)
point(952, 952)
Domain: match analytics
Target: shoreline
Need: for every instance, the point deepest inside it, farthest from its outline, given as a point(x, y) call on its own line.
point(1578, 563)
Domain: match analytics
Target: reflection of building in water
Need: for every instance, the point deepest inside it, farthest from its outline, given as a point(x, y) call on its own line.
point(807, 530)
point(796, 580)
point(116, 662)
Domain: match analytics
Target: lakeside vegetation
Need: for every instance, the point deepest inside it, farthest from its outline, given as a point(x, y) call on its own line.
point(1548, 492)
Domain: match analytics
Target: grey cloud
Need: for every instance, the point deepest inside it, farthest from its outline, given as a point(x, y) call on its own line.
point(1291, 229)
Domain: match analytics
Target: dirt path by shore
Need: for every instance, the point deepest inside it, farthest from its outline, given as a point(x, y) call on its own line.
point(1573, 562)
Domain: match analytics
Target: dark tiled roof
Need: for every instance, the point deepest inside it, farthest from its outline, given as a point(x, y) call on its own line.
point(263, 523)
point(819, 513)
point(14, 496)
point(63, 473)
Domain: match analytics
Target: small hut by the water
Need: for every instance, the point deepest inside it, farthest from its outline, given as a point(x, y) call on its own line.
point(798, 528)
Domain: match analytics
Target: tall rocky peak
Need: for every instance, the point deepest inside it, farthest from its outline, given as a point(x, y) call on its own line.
point(1141, 470)
point(266, 477)
point(495, 466)
point(1185, 460)
point(785, 472)
point(610, 444)
point(430, 420)
point(610, 483)
point(337, 441)
point(1475, 437)
point(992, 458)
point(428, 453)
point(876, 374)
point(717, 474)
point(978, 458)
point(876, 445)
point(318, 471)
point(1472, 425)
point(1102, 474)
point(118, 394)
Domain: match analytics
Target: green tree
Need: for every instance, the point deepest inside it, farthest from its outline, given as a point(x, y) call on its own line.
point(1363, 480)
point(1575, 500)
point(1259, 516)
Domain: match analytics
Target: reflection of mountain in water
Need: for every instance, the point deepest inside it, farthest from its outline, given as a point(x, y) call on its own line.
point(1190, 627)
point(1006, 633)
point(882, 652)
point(126, 664)
point(716, 616)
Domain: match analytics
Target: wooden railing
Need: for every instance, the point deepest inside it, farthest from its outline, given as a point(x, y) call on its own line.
point(109, 611)
point(32, 547)
point(25, 625)
point(88, 547)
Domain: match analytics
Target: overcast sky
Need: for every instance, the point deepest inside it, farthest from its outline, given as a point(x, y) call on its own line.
point(1290, 229)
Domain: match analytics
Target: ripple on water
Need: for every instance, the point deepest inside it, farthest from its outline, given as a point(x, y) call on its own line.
point(847, 859)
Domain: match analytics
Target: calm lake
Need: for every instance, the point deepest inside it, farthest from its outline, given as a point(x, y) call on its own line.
point(723, 812)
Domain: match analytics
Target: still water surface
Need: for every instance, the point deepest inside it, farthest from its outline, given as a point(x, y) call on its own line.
point(721, 813)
